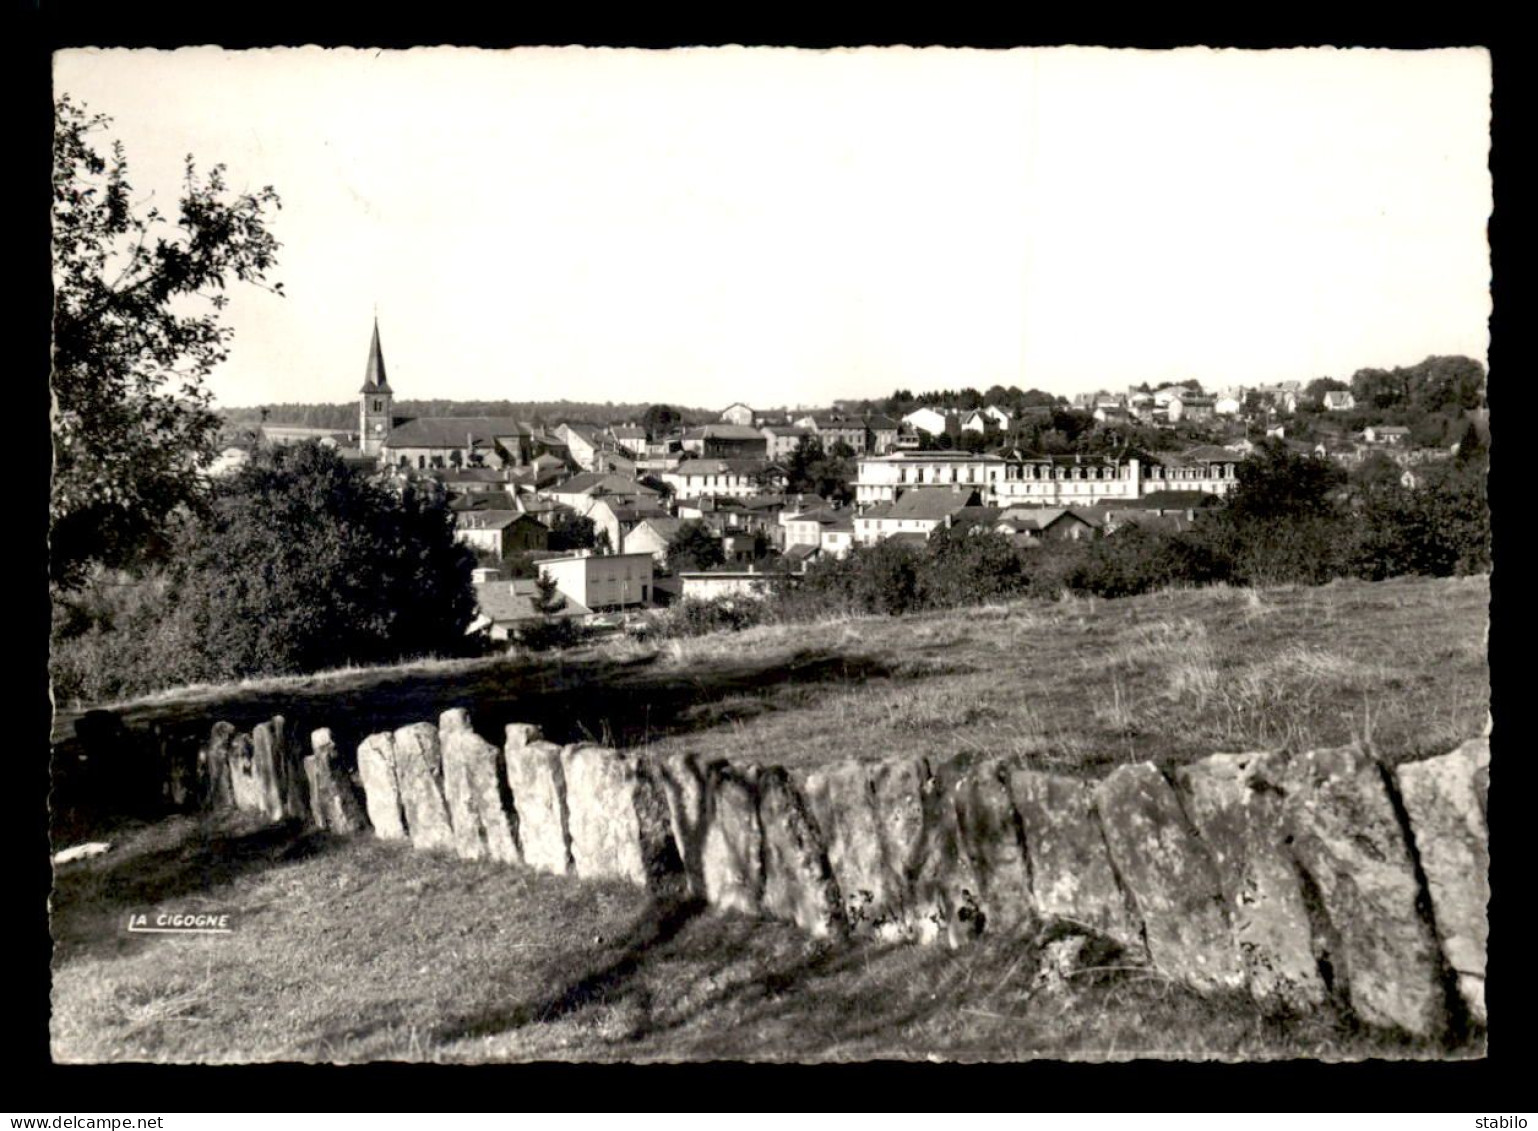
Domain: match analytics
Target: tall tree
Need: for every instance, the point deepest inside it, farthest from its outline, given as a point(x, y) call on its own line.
point(659, 420)
point(693, 548)
point(301, 564)
point(136, 331)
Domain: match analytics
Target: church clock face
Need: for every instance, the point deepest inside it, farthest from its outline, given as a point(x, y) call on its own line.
point(378, 426)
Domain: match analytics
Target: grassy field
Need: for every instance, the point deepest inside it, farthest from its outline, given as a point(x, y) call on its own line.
point(1079, 685)
point(359, 950)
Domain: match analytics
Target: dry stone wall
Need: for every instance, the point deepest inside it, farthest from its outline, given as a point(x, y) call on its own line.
point(1299, 878)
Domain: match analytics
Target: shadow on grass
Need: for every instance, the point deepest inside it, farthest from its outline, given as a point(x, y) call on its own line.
point(93, 899)
point(594, 699)
point(620, 975)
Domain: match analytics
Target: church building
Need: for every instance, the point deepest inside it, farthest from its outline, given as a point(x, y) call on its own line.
point(439, 441)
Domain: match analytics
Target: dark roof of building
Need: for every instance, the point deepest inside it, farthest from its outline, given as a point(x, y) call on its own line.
point(724, 432)
point(909, 538)
point(486, 519)
point(374, 380)
point(1168, 500)
point(879, 423)
point(1034, 519)
point(721, 467)
point(1070, 459)
point(452, 431)
point(931, 503)
point(533, 504)
point(765, 502)
point(977, 514)
point(633, 512)
point(472, 475)
point(822, 517)
point(664, 524)
point(949, 456)
point(801, 552)
point(602, 483)
point(510, 602)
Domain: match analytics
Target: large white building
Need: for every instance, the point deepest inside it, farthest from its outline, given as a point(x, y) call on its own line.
point(880, 479)
point(606, 581)
point(1051, 481)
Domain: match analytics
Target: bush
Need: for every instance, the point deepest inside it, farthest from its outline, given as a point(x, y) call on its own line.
point(966, 565)
point(1134, 560)
point(300, 566)
point(695, 617)
point(546, 635)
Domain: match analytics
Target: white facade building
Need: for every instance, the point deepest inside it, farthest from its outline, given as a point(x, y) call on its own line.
point(927, 420)
point(880, 479)
point(604, 581)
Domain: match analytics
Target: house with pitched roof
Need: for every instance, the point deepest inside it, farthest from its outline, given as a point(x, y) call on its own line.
point(927, 420)
point(723, 478)
point(739, 413)
point(783, 438)
point(652, 535)
point(1029, 525)
point(580, 490)
point(726, 441)
point(500, 532)
point(505, 607)
point(918, 511)
point(617, 516)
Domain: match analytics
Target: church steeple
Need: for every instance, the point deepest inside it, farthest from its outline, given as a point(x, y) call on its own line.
point(374, 419)
point(374, 377)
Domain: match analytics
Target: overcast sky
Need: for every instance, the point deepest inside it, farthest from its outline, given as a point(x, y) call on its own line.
point(787, 227)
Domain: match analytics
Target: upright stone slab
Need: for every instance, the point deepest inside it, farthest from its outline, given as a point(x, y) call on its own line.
point(617, 817)
point(899, 788)
point(1171, 879)
point(1240, 822)
point(990, 833)
point(684, 783)
point(1071, 874)
point(218, 791)
point(539, 796)
point(1445, 800)
point(419, 776)
point(1371, 937)
point(246, 786)
point(946, 904)
point(798, 882)
point(473, 788)
point(334, 802)
point(841, 801)
point(381, 795)
point(732, 857)
point(279, 766)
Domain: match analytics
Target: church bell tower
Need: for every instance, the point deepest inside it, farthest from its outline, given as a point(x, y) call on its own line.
point(374, 415)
